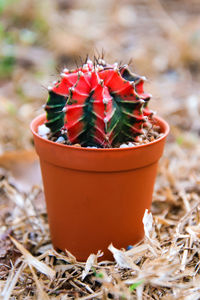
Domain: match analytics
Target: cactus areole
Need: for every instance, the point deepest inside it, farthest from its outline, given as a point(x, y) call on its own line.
point(98, 105)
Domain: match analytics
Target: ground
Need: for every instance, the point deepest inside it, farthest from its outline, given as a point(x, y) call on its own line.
point(39, 38)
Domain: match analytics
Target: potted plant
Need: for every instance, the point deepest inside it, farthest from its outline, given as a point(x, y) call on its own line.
point(99, 147)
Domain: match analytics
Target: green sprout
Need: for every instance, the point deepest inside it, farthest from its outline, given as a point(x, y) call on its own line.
point(133, 286)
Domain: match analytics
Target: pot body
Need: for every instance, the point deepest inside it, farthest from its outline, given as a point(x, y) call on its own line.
point(96, 197)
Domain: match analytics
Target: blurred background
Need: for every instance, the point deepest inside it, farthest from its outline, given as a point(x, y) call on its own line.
point(39, 38)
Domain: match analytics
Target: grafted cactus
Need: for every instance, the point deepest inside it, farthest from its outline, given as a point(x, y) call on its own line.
point(98, 105)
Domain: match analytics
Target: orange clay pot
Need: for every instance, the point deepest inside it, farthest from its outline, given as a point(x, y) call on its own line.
point(97, 196)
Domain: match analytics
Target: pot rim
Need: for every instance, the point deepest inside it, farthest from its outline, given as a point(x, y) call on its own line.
point(42, 117)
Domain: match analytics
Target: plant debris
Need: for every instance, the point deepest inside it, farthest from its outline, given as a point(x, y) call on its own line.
point(163, 39)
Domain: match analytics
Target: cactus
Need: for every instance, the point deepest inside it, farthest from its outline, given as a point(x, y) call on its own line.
point(98, 105)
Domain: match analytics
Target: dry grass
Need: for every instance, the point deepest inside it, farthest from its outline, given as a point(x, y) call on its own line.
point(163, 39)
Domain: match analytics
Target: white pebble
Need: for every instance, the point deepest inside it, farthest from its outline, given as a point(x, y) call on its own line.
point(60, 139)
point(123, 146)
point(90, 147)
point(45, 137)
point(131, 144)
point(127, 145)
point(43, 130)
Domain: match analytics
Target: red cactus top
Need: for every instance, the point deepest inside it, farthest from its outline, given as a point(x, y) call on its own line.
point(98, 104)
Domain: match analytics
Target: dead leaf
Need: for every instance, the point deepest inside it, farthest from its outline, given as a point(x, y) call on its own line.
point(33, 261)
point(122, 259)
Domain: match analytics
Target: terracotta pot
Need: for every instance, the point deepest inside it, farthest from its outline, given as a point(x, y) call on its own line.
point(97, 196)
